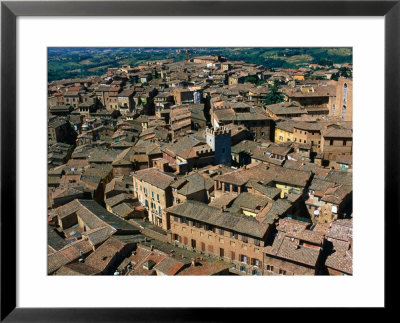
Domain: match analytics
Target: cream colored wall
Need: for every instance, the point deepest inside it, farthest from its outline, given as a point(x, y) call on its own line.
point(163, 202)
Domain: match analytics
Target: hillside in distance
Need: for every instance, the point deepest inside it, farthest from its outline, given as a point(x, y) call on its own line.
point(71, 62)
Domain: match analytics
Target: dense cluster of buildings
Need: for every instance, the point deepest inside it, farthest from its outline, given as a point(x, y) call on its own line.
point(181, 168)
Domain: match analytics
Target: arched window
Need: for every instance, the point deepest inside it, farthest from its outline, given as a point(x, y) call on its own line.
point(345, 92)
point(344, 112)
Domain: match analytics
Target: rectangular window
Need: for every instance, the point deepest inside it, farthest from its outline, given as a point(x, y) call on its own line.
point(256, 242)
point(344, 142)
point(243, 258)
point(270, 268)
point(331, 142)
point(256, 262)
point(245, 239)
point(233, 256)
point(221, 232)
point(282, 272)
point(203, 246)
point(221, 252)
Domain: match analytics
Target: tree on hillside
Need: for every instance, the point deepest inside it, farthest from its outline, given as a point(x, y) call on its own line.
point(345, 72)
point(260, 82)
point(274, 96)
point(250, 79)
point(325, 62)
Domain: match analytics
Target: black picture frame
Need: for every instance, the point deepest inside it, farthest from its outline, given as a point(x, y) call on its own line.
point(10, 10)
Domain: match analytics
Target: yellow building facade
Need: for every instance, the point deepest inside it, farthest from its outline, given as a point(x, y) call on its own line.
point(299, 77)
point(283, 135)
point(286, 189)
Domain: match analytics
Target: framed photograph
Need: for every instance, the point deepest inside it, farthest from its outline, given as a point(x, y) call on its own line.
point(133, 75)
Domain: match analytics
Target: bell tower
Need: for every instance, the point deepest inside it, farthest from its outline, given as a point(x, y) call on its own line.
point(187, 55)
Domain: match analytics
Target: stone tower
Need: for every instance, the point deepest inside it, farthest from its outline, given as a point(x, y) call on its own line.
point(219, 139)
point(343, 106)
